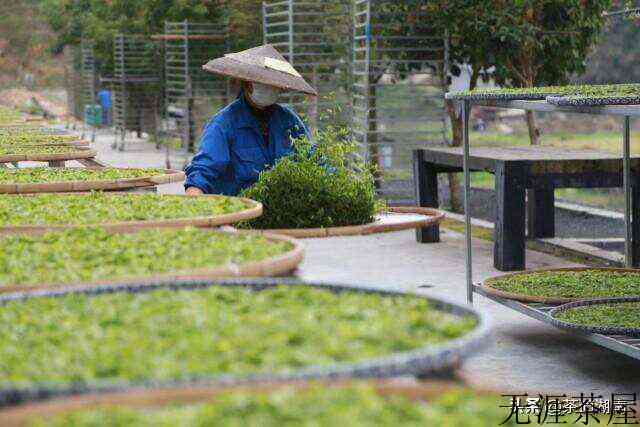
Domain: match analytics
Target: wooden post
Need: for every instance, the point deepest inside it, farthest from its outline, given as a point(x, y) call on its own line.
point(541, 213)
point(426, 184)
point(509, 233)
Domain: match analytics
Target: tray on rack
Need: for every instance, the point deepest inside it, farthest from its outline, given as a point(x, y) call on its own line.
point(618, 343)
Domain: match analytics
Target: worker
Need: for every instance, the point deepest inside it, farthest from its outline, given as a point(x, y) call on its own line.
point(253, 132)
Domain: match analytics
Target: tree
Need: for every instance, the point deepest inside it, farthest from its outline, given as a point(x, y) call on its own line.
point(615, 58)
point(544, 42)
point(101, 20)
point(527, 42)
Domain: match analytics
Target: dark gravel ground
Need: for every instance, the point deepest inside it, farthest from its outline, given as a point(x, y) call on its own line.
point(569, 224)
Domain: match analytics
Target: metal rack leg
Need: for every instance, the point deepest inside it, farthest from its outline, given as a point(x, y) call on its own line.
point(626, 165)
point(467, 185)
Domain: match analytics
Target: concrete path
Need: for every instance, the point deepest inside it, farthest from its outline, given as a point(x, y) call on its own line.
point(525, 356)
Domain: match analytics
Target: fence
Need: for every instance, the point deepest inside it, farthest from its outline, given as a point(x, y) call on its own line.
point(191, 95)
point(399, 80)
point(136, 87)
point(315, 36)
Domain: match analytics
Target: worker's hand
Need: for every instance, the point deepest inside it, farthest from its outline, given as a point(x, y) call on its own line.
point(194, 191)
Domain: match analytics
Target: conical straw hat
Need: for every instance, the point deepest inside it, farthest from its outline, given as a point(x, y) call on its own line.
point(262, 64)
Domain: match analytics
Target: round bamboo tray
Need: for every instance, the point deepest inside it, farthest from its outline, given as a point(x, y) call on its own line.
point(149, 398)
point(428, 360)
point(252, 210)
point(281, 265)
point(395, 219)
point(592, 101)
point(486, 285)
point(82, 144)
point(499, 97)
point(167, 177)
point(606, 330)
point(79, 154)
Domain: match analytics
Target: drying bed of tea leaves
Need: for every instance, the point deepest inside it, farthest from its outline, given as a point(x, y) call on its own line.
point(319, 406)
point(99, 207)
point(47, 175)
point(624, 315)
point(27, 128)
point(543, 92)
point(174, 335)
point(91, 254)
point(9, 116)
point(26, 138)
point(40, 149)
point(571, 284)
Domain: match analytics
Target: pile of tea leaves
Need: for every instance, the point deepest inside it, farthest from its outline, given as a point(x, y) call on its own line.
point(533, 93)
point(179, 334)
point(622, 315)
point(99, 207)
point(90, 254)
point(319, 406)
point(9, 116)
point(571, 284)
point(47, 175)
point(39, 149)
point(28, 138)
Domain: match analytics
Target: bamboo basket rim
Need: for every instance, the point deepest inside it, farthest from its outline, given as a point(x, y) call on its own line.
point(278, 265)
point(425, 360)
point(595, 329)
point(168, 176)
point(80, 152)
point(431, 217)
point(415, 390)
point(486, 285)
point(252, 210)
point(81, 143)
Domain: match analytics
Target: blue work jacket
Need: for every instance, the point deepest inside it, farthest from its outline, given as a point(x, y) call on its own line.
point(233, 151)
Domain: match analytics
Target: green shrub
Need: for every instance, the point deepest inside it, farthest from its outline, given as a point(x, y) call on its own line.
point(324, 184)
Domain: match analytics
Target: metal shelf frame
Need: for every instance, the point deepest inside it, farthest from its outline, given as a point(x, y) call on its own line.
point(619, 343)
point(315, 37)
point(188, 89)
point(627, 112)
point(135, 103)
point(398, 70)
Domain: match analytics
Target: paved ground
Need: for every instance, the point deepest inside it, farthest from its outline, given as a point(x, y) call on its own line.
point(525, 355)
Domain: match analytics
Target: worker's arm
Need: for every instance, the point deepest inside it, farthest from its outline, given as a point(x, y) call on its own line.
point(210, 163)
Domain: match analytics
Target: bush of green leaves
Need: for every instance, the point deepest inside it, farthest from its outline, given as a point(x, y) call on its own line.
point(324, 184)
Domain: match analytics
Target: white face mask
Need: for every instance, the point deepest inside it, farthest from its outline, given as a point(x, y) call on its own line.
point(264, 95)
